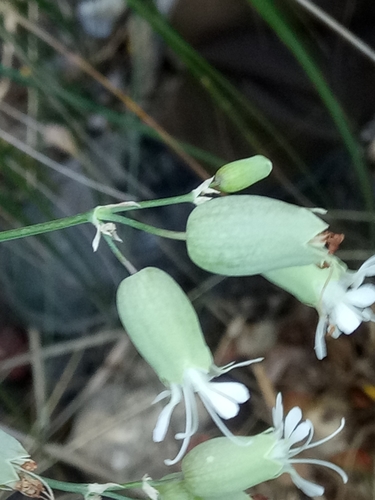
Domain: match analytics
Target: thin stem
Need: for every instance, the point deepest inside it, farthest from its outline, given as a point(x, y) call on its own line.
point(45, 227)
point(124, 261)
point(334, 25)
point(115, 496)
point(75, 220)
point(83, 489)
point(164, 233)
point(163, 202)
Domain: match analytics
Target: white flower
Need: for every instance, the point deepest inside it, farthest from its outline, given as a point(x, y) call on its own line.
point(164, 327)
point(291, 432)
point(221, 400)
point(345, 304)
point(219, 466)
point(341, 299)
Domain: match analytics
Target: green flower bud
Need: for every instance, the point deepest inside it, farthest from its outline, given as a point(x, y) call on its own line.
point(219, 466)
point(164, 327)
point(244, 235)
point(241, 174)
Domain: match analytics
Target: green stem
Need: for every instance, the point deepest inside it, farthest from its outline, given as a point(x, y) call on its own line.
point(163, 202)
point(45, 227)
point(164, 233)
point(75, 220)
point(82, 489)
point(124, 261)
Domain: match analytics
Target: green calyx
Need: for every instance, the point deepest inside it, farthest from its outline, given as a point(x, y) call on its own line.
point(221, 466)
point(177, 490)
point(307, 283)
point(162, 324)
point(241, 174)
point(243, 235)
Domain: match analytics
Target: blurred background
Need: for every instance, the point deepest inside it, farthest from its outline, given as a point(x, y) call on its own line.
point(103, 101)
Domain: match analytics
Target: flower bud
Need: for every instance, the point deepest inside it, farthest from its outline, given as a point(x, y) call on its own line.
point(241, 174)
point(244, 235)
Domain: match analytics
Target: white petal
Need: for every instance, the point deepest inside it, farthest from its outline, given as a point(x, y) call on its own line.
point(96, 240)
point(223, 406)
point(362, 297)
point(224, 429)
point(161, 396)
point(368, 267)
point(233, 390)
point(164, 418)
point(278, 413)
point(300, 433)
point(368, 314)
point(345, 318)
point(309, 488)
point(320, 344)
point(292, 419)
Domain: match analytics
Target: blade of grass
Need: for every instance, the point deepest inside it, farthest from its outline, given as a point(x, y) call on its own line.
point(272, 14)
point(79, 102)
point(236, 107)
point(84, 66)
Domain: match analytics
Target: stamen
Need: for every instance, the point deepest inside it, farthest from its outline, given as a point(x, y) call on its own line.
point(231, 366)
point(327, 438)
point(323, 463)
